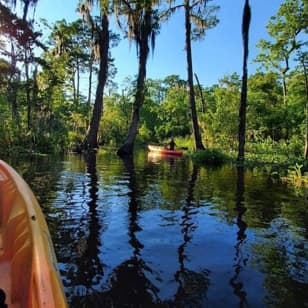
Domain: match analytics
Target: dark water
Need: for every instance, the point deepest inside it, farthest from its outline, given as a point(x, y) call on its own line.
point(166, 233)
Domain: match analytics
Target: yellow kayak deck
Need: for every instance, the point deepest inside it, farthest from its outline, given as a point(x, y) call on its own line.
point(28, 268)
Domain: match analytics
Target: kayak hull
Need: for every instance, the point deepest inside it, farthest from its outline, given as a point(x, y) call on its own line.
point(164, 151)
point(29, 275)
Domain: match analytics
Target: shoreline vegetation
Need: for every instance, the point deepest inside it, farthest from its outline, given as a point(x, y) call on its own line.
point(283, 166)
point(260, 118)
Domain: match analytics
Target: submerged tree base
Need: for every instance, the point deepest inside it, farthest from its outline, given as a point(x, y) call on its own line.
point(125, 150)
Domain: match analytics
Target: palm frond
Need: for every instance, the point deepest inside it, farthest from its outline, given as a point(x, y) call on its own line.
point(198, 22)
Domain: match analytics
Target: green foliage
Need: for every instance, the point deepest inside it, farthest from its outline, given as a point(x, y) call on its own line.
point(60, 113)
point(222, 119)
point(296, 176)
point(174, 114)
point(202, 16)
point(144, 134)
point(186, 143)
point(275, 152)
point(295, 172)
point(266, 112)
point(115, 120)
point(285, 28)
point(210, 157)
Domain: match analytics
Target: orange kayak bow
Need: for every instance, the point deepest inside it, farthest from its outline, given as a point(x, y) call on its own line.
point(28, 268)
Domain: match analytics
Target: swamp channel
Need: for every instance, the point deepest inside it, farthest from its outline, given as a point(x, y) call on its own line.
point(163, 232)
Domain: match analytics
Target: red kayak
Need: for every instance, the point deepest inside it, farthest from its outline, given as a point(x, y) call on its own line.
point(164, 151)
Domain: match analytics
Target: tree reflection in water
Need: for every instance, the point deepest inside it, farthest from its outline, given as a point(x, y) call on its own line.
point(89, 271)
point(101, 268)
point(129, 286)
point(240, 259)
point(192, 285)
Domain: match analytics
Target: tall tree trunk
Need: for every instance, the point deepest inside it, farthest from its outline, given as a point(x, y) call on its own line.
point(285, 101)
point(194, 117)
point(306, 90)
point(141, 36)
point(91, 141)
point(284, 89)
point(243, 105)
point(90, 75)
point(25, 9)
point(128, 147)
point(78, 83)
point(13, 88)
point(90, 83)
point(74, 87)
point(12, 99)
point(285, 96)
point(28, 98)
point(284, 77)
point(201, 94)
point(35, 89)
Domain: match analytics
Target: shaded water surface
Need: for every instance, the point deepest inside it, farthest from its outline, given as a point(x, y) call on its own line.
point(165, 233)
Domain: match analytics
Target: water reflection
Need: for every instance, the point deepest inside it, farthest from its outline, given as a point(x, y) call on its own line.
point(129, 286)
point(239, 258)
point(171, 234)
point(192, 285)
point(133, 207)
point(157, 157)
point(86, 268)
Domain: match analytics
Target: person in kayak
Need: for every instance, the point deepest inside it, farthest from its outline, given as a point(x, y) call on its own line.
point(172, 144)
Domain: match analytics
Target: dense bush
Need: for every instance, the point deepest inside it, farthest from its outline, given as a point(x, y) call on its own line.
point(209, 156)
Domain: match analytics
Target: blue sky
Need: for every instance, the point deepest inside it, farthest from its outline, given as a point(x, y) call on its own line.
point(219, 54)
